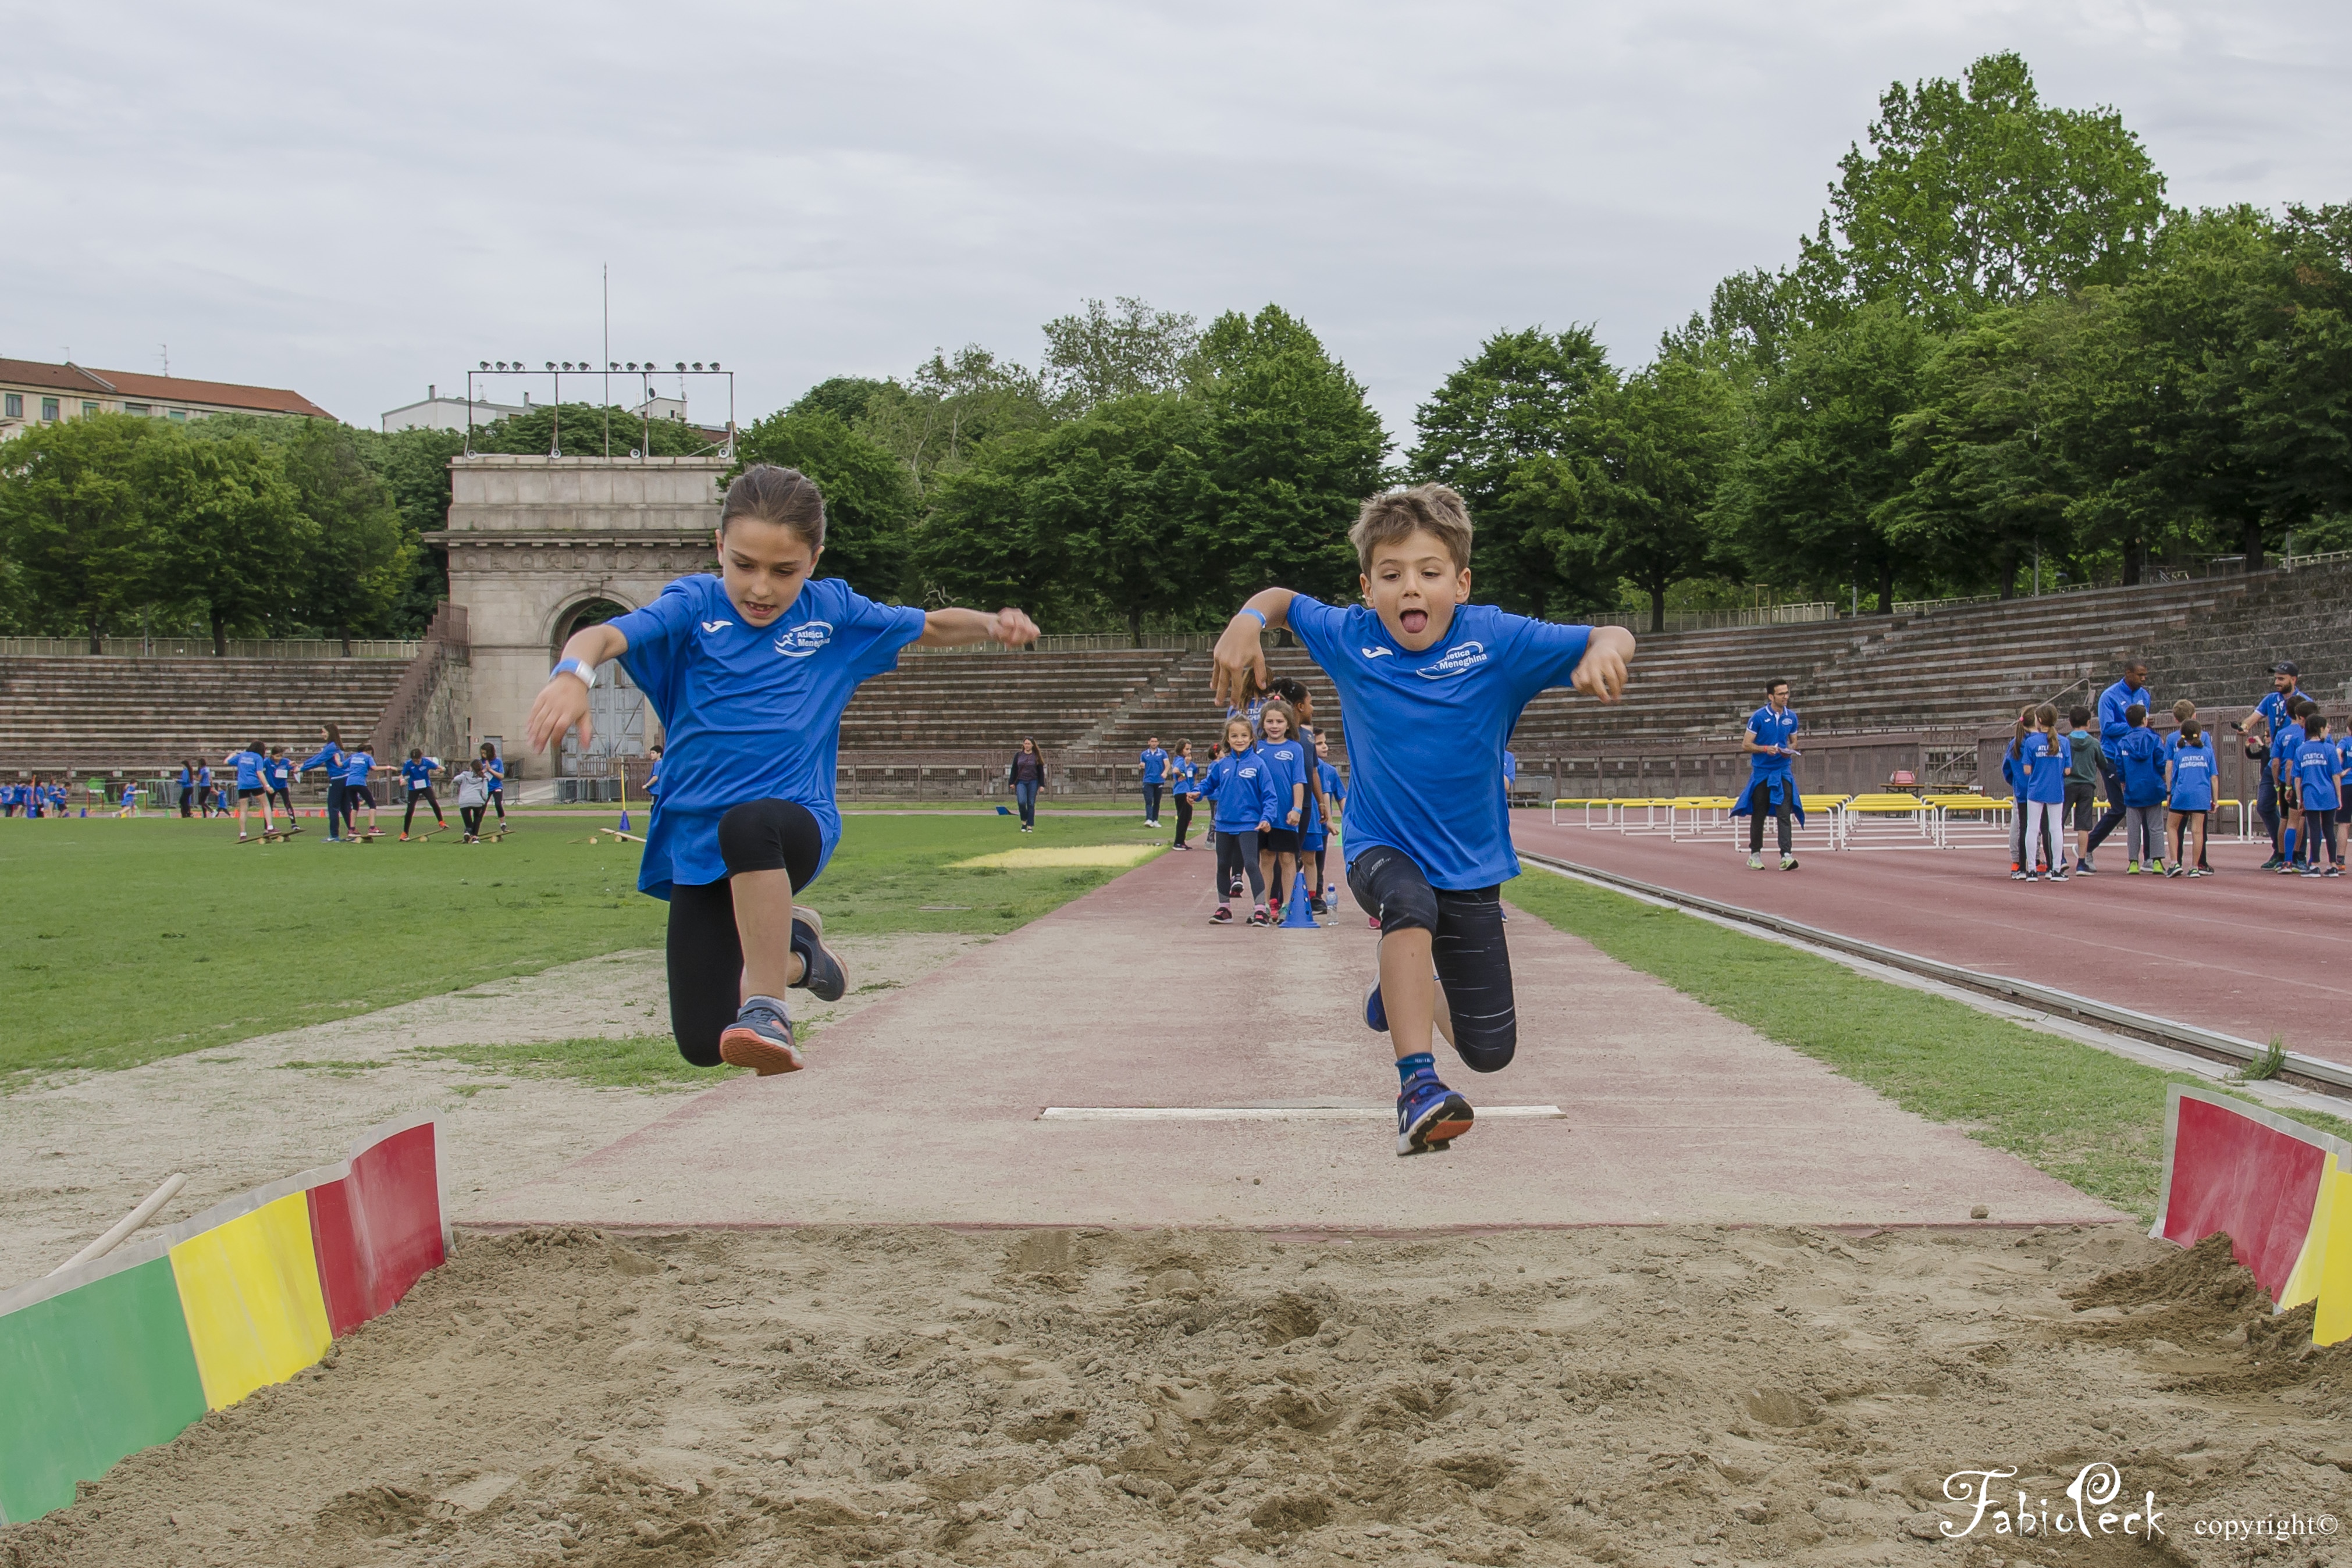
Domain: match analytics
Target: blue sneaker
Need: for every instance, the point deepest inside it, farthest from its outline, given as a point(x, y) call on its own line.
point(760, 1039)
point(824, 978)
point(1429, 1115)
point(1376, 1015)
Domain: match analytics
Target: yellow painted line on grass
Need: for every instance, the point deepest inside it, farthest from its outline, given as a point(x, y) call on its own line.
point(1040, 858)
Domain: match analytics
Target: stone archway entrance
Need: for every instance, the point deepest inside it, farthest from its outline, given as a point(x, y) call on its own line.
point(541, 546)
point(617, 716)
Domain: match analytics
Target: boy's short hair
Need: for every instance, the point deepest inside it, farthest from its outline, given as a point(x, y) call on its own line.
point(1394, 515)
point(2182, 709)
point(2136, 716)
point(2078, 715)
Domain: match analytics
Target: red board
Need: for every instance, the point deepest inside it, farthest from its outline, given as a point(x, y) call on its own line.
point(378, 1230)
point(2232, 1173)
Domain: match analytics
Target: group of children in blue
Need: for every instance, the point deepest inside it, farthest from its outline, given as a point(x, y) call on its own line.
point(263, 778)
point(2161, 789)
point(33, 799)
point(748, 672)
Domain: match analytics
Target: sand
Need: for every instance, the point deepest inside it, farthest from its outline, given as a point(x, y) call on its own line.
point(924, 1396)
point(83, 1148)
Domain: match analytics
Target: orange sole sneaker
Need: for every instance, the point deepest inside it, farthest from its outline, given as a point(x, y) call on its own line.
point(749, 1048)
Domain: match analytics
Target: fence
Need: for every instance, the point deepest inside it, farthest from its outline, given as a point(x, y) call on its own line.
point(1720, 620)
point(201, 648)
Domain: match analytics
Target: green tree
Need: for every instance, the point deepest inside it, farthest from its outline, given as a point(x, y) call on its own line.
point(951, 408)
point(77, 524)
point(1524, 397)
point(234, 544)
point(1099, 354)
point(414, 466)
point(2296, 323)
point(360, 557)
point(870, 500)
point(1978, 194)
point(1292, 451)
point(1806, 497)
point(1663, 437)
point(584, 430)
point(846, 398)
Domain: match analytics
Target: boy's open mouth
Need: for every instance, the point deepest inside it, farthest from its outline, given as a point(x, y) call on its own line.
point(758, 612)
point(1413, 620)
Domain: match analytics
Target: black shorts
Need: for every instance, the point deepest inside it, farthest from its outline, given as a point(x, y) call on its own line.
point(358, 795)
point(1466, 947)
point(2083, 806)
point(1282, 840)
point(243, 794)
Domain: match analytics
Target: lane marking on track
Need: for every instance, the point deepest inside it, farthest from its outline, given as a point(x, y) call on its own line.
point(1267, 1112)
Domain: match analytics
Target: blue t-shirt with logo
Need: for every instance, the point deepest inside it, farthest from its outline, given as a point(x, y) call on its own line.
point(417, 772)
point(357, 767)
point(1286, 766)
point(1425, 731)
point(2316, 765)
point(248, 764)
point(749, 713)
point(2193, 776)
point(1770, 728)
point(1155, 765)
point(279, 771)
point(494, 773)
point(2046, 759)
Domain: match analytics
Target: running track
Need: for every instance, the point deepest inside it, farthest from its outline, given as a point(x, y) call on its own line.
point(2250, 954)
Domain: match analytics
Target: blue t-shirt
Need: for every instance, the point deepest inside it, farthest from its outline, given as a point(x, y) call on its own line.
point(1511, 766)
point(749, 713)
point(1180, 774)
point(279, 771)
point(417, 772)
point(357, 767)
point(1238, 783)
point(248, 764)
point(494, 773)
point(2272, 708)
point(2283, 746)
point(2141, 755)
point(1332, 784)
point(1286, 766)
point(1425, 731)
point(2316, 765)
point(329, 756)
point(1770, 728)
point(2192, 777)
point(1155, 765)
point(2046, 760)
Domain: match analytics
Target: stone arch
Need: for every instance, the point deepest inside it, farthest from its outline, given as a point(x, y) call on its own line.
point(584, 607)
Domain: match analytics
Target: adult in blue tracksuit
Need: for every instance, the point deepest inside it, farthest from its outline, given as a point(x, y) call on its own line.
point(2113, 726)
point(333, 759)
point(1241, 786)
point(1155, 780)
point(2276, 712)
point(1772, 776)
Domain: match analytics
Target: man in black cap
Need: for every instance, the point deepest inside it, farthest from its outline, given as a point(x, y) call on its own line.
point(2271, 716)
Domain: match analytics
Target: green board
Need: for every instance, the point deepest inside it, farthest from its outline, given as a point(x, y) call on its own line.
point(88, 1377)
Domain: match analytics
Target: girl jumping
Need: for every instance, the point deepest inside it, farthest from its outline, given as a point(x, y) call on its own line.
point(748, 672)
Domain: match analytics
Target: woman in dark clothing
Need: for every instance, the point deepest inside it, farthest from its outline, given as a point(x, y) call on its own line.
point(1026, 774)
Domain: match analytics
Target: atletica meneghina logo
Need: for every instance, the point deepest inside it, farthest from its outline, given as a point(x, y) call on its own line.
point(2085, 1510)
point(806, 639)
point(1454, 660)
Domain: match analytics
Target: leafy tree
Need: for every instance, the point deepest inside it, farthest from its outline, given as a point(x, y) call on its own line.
point(1978, 194)
point(76, 520)
point(846, 398)
point(1806, 500)
point(1292, 452)
point(870, 500)
point(584, 430)
point(1661, 438)
point(361, 557)
point(1099, 354)
point(951, 408)
point(1745, 328)
point(233, 541)
point(414, 466)
point(2295, 321)
point(1525, 396)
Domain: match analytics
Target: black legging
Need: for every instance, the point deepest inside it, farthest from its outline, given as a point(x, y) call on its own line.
point(1184, 816)
point(472, 818)
point(2318, 829)
point(425, 795)
point(706, 952)
point(1466, 947)
point(1237, 854)
point(498, 804)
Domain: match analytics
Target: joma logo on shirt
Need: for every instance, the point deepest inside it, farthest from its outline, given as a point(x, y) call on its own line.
point(716, 625)
point(802, 640)
point(1376, 653)
point(1456, 659)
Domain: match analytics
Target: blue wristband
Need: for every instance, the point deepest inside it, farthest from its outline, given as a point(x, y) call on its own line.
point(1253, 609)
point(587, 672)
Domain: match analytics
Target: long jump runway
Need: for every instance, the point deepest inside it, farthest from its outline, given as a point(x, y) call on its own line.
point(2245, 952)
point(1222, 1077)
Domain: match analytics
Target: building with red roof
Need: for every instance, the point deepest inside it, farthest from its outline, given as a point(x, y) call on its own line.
point(34, 393)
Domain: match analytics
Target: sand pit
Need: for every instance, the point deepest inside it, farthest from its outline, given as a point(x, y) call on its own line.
point(922, 1396)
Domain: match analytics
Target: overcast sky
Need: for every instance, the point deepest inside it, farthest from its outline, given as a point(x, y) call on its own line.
point(356, 202)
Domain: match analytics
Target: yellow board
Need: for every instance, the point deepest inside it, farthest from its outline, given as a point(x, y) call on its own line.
point(1041, 858)
point(250, 1290)
point(2334, 1321)
point(2303, 1281)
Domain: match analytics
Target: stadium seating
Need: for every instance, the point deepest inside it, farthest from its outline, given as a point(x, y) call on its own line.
point(97, 715)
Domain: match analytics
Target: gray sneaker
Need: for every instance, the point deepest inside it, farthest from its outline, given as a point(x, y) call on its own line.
point(760, 1039)
point(826, 977)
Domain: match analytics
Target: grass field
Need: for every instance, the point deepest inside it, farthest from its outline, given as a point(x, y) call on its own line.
point(127, 941)
point(2089, 1118)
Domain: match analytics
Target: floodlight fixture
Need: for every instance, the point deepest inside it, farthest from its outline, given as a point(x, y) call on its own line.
point(681, 365)
point(550, 364)
point(486, 364)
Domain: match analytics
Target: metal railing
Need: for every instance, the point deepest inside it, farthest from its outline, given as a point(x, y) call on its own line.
point(1638, 620)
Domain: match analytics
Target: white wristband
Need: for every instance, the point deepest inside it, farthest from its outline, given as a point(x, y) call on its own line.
point(587, 672)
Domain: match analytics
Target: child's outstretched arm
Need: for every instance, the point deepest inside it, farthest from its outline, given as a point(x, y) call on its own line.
point(1601, 674)
point(963, 628)
point(1240, 672)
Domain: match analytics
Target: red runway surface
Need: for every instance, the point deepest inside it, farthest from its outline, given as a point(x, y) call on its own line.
point(2252, 954)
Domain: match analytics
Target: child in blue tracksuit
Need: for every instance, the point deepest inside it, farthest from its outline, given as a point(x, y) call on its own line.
point(2139, 755)
point(1432, 686)
point(1287, 764)
point(251, 784)
point(2188, 797)
point(1333, 798)
point(2045, 758)
point(1181, 774)
point(333, 761)
point(2318, 793)
point(1242, 790)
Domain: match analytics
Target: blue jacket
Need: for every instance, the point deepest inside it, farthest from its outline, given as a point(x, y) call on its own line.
point(2140, 754)
point(2111, 722)
point(1242, 788)
point(329, 756)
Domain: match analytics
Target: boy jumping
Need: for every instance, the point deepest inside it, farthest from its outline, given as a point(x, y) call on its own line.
point(1432, 686)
